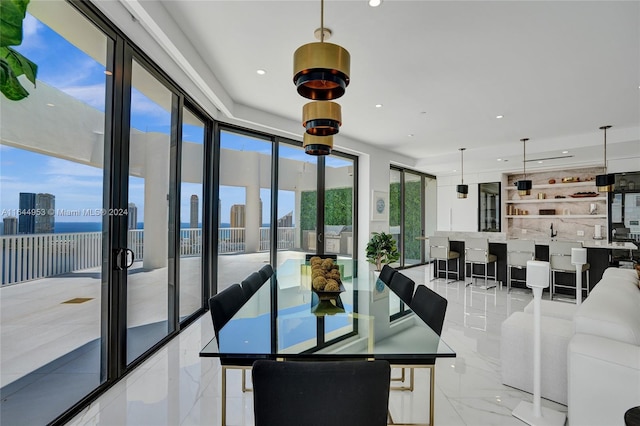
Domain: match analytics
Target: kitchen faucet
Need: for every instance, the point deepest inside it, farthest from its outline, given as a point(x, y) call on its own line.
point(553, 234)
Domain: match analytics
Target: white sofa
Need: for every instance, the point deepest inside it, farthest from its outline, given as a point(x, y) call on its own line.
point(516, 349)
point(604, 353)
point(590, 354)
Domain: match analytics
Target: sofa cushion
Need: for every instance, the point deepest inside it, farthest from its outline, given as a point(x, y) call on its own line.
point(622, 275)
point(555, 309)
point(516, 354)
point(612, 309)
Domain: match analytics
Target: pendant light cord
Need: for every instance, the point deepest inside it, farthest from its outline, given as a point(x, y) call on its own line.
point(321, 21)
point(462, 165)
point(604, 168)
point(524, 158)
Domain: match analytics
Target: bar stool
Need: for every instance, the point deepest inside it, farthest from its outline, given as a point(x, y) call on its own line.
point(440, 251)
point(476, 252)
point(518, 253)
point(560, 261)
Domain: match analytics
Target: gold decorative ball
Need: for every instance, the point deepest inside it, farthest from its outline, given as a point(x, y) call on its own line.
point(332, 285)
point(319, 283)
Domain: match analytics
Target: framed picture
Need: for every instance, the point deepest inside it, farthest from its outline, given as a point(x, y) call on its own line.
point(379, 205)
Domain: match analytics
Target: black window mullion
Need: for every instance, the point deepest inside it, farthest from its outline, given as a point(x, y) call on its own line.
point(175, 166)
point(320, 201)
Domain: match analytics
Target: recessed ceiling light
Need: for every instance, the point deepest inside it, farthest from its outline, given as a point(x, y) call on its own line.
point(565, 152)
point(499, 116)
point(540, 162)
point(261, 72)
point(410, 135)
point(454, 170)
point(499, 159)
point(378, 105)
point(50, 105)
point(375, 3)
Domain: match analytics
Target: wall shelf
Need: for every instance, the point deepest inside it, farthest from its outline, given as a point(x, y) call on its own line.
point(557, 216)
point(557, 200)
point(558, 185)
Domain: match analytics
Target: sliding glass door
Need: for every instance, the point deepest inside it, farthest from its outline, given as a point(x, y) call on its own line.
point(244, 206)
point(148, 212)
point(53, 262)
point(412, 201)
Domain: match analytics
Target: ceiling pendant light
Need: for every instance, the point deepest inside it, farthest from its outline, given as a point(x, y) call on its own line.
point(322, 118)
point(462, 189)
point(321, 70)
point(317, 145)
point(605, 181)
point(524, 185)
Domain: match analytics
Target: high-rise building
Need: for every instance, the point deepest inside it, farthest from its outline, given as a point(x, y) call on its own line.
point(193, 213)
point(132, 216)
point(10, 225)
point(237, 216)
point(26, 216)
point(286, 221)
point(45, 219)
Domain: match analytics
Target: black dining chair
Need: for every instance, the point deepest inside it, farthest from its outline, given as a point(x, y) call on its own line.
point(251, 284)
point(321, 393)
point(402, 286)
point(223, 306)
point(266, 272)
point(386, 274)
point(431, 308)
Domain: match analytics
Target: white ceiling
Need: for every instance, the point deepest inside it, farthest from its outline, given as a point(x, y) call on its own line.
point(443, 70)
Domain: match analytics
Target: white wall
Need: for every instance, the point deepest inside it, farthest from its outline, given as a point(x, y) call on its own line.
point(456, 214)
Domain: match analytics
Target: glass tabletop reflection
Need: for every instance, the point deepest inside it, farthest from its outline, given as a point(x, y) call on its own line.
point(286, 318)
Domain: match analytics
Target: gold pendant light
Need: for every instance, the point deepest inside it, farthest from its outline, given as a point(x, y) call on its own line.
point(524, 185)
point(322, 118)
point(321, 73)
point(462, 189)
point(605, 181)
point(317, 145)
point(321, 70)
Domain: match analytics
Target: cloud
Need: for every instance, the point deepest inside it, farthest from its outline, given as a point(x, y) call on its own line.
point(57, 166)
point(30, 27)
point(92, 95)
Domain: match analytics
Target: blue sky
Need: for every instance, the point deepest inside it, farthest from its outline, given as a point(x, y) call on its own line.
point(79, 186)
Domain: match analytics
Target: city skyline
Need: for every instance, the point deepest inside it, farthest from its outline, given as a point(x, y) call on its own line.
point(79, 186)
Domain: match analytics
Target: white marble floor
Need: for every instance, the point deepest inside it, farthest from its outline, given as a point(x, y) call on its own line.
point(177, 387)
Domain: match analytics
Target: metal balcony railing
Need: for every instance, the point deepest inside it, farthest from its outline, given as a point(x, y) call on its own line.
point(27, 257)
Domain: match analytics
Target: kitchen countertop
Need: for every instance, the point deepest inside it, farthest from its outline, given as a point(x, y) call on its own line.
point(501, 237)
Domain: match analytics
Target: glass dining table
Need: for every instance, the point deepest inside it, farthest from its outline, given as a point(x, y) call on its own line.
point(287, 320)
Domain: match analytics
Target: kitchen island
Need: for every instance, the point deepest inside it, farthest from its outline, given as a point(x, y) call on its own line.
point(598, 256)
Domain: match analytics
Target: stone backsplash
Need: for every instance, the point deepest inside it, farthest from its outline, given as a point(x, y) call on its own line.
point(574, 219)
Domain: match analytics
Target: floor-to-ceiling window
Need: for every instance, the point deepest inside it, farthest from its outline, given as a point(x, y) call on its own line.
point(105, 258)
point(412, 201)
point(413, 219)
point(148, 210)
point(51, 197)
point(244, 205)
point(91, 240)
point(297, 201)
point(191, 208)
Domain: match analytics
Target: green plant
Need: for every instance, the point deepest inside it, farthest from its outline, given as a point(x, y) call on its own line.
point(382, 249)
point(12, 63)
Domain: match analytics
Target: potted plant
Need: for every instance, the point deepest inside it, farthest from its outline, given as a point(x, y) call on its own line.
point(382, 250)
